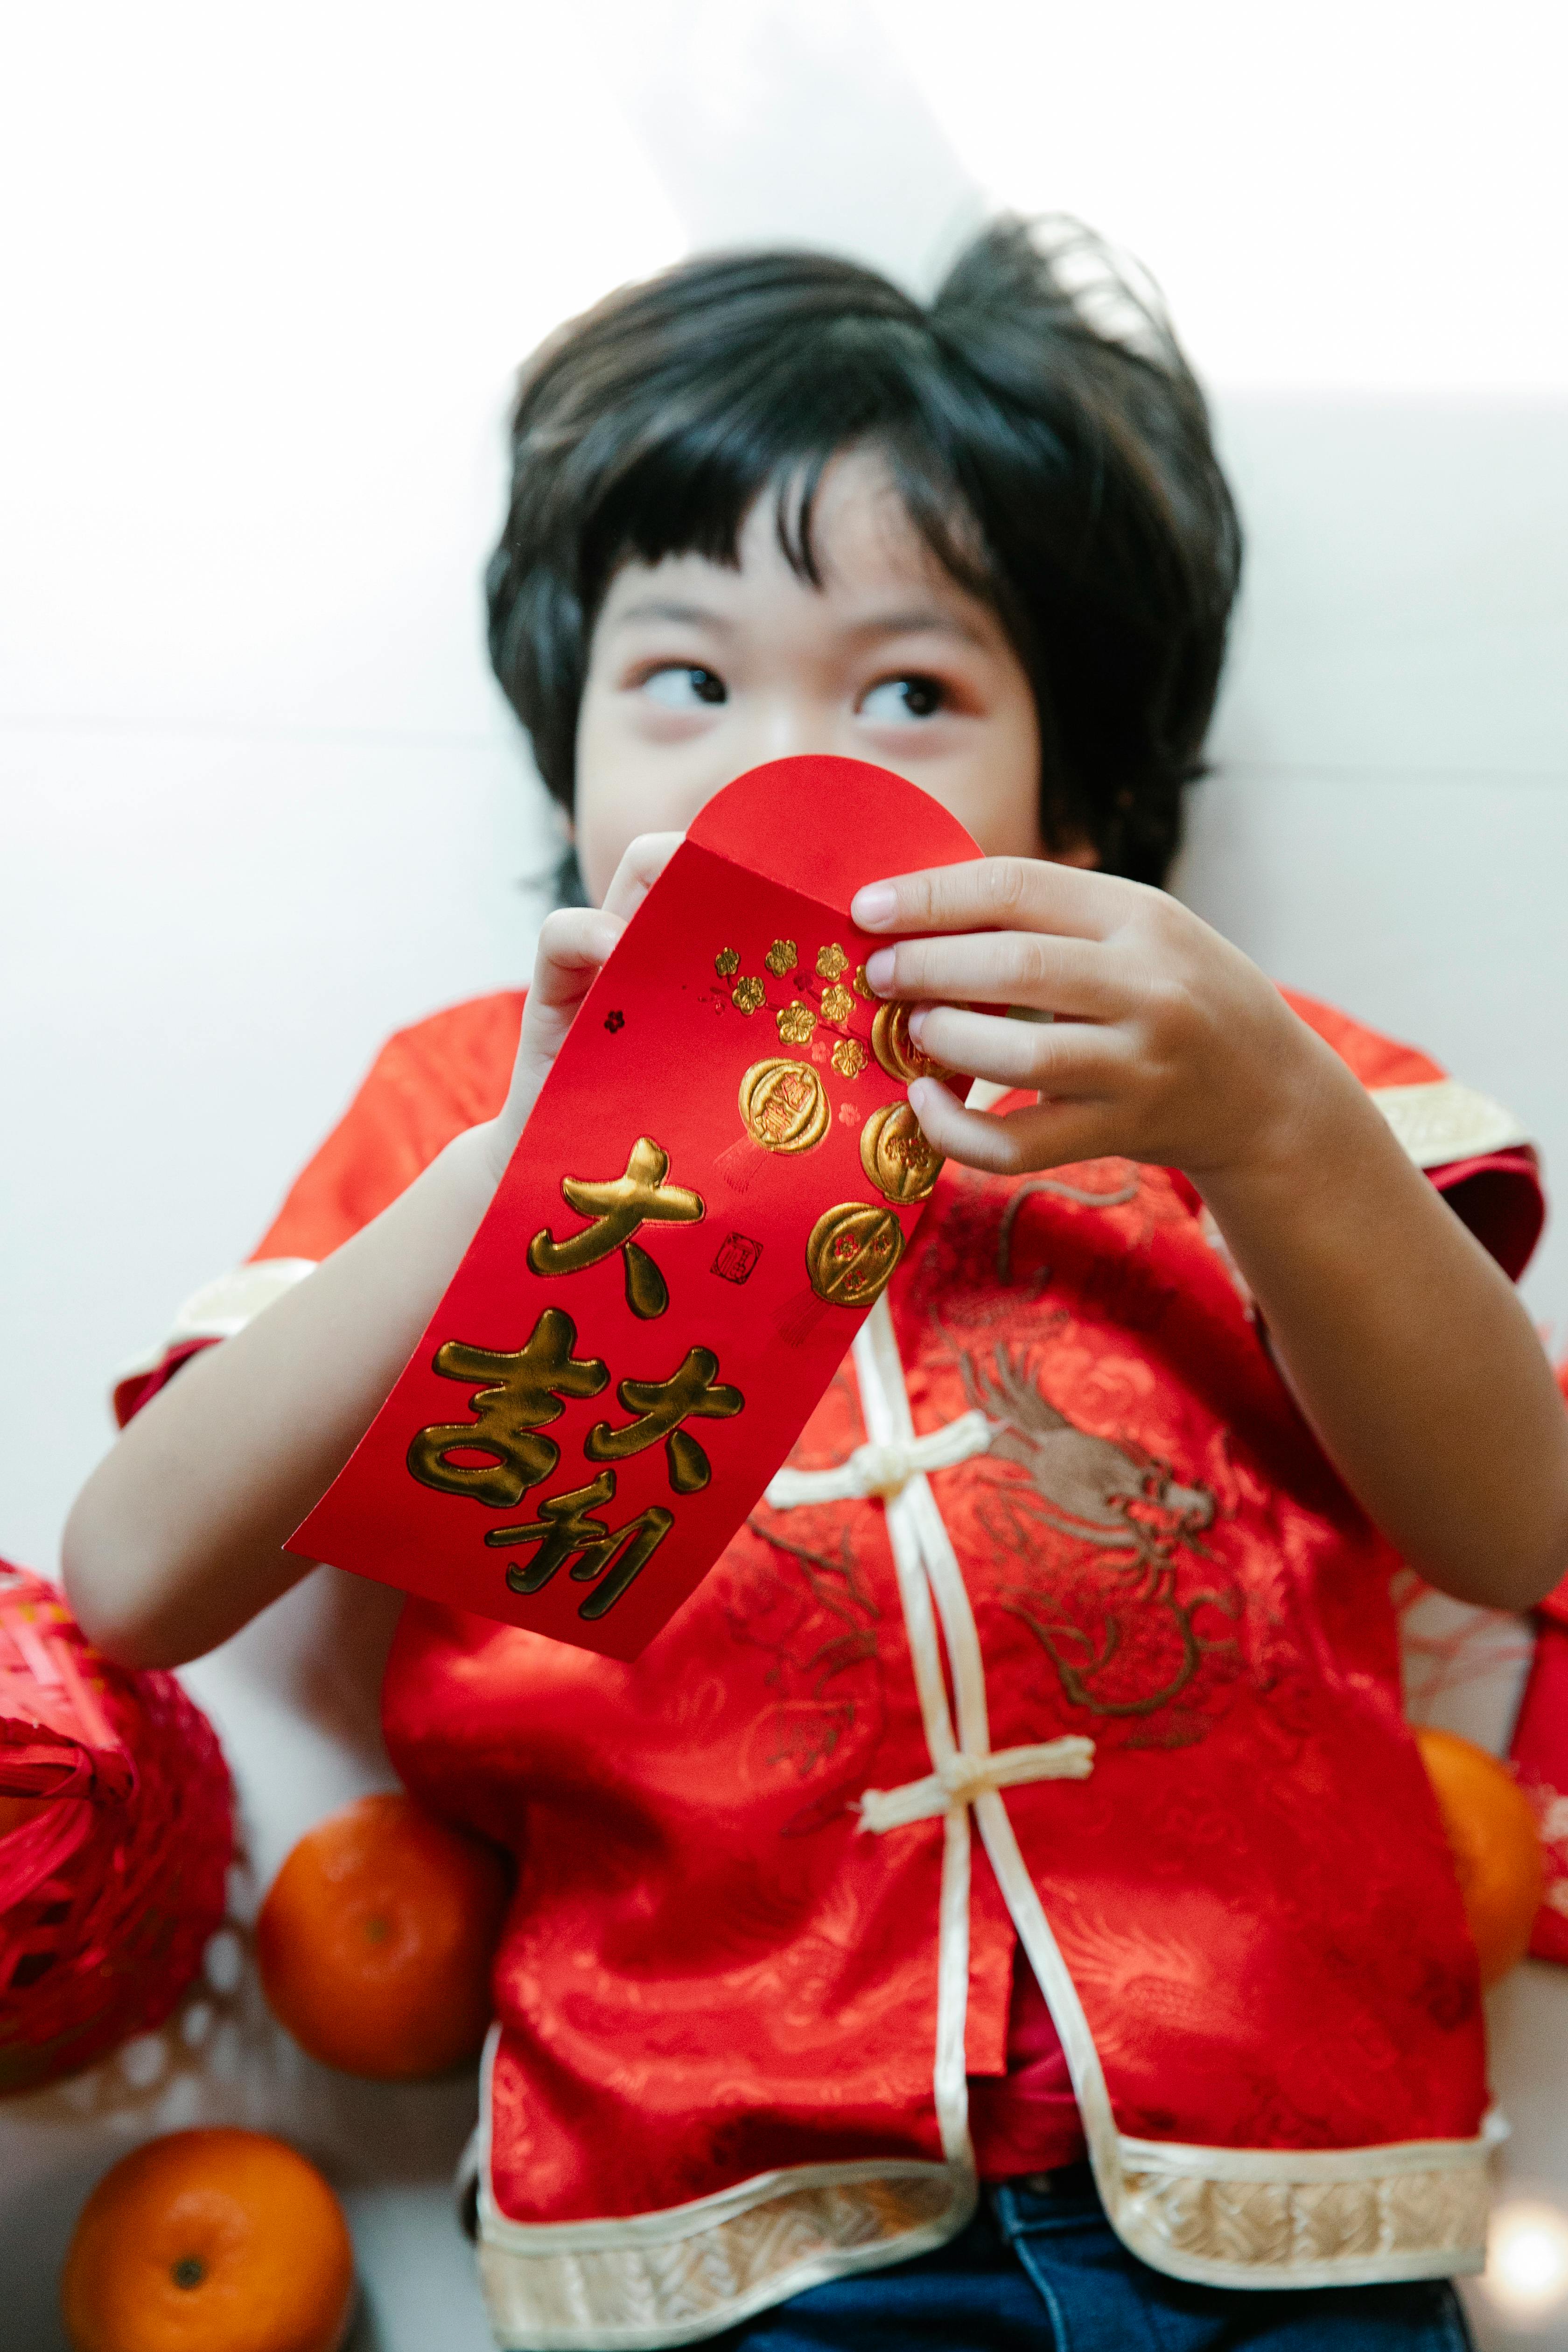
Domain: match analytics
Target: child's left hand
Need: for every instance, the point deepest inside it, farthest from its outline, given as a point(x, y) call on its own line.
point(1167, 1046)
point(1403, 1342)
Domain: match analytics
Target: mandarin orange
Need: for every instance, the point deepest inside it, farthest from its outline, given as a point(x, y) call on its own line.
point(375, 1941)
point(208, 2239)
point(1492, 1837)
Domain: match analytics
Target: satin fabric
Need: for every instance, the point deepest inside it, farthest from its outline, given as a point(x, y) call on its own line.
point(1025, 2120)
point(709, 1971)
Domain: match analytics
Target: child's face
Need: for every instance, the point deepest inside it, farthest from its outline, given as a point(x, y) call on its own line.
point(698, 672)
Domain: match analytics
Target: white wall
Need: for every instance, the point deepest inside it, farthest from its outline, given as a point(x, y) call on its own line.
point(266, 274)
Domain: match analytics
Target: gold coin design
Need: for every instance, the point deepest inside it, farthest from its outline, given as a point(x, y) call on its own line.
point(850, 1057)
point(896, 1156)
point(852, 1252)
point(796, 1023)
point(831, 961)
point(837, 1004)
point(897, 1051)
point(727, 961)
point(783, 1105)
point(782, 957)
point(747, 995)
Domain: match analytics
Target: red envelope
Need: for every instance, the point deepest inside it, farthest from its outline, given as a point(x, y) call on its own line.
point(717, 1181)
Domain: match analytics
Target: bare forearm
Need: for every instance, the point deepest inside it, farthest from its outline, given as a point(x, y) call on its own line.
point(1407, 1350)
point(176, 1540)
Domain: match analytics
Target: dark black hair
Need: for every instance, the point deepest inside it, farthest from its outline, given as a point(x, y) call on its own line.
point(1047, 437)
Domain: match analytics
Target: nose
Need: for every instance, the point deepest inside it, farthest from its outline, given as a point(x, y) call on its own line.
point(779, 725)
point(786, 726)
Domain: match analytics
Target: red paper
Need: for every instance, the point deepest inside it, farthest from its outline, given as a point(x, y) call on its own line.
point(673, 1292)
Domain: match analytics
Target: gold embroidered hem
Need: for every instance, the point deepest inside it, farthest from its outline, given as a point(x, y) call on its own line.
point(1238, 2218)
point(1274, 2218)
point(679, 2277)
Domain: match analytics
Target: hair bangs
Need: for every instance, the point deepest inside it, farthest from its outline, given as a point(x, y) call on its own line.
point(772, 423)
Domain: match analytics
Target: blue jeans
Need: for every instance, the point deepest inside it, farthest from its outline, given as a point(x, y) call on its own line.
point(1039, 2269)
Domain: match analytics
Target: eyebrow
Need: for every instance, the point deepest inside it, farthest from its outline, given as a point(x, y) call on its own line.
point(657, 608)
point(924, 620)
point(914, 621)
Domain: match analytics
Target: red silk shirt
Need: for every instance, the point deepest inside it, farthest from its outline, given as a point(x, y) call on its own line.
point(713, 1978)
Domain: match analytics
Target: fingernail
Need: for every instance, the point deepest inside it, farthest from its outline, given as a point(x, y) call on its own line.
point(873, 905)
point(879, 969)
point(917, 1019)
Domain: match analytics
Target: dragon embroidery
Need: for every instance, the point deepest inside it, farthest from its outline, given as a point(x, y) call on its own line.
point(1122, 1635)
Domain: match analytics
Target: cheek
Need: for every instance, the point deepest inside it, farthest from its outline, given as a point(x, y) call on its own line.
point(628, 782)
point(1003, 810)
point(604, 829)
point(605, 800)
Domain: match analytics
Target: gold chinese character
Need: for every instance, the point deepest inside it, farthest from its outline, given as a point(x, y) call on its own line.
point(796, 1023)
point(726, 961)
point(782, 957)
point(618, 1207)
point(850, 1057)
point(783, 1105)
point(747, 995)
point(692, 1393)
point(837, 1004)
point(565, 1525)
point(830, 963)
point(515, 1395)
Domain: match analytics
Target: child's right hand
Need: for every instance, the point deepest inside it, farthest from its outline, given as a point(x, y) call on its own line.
point(573, 943)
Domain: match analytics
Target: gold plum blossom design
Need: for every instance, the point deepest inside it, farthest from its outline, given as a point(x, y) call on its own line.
point(796, 1023)
point(782, 957)
point(850, 1057)
point(837, 1004)
point(830, 962)
point(747, 995)
point(727, 961)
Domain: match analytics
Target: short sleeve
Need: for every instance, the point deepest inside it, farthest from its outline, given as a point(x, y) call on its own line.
point(427, 1085)
point(1475, 1152)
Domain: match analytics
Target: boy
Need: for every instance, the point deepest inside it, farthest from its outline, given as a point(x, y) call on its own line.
point(1221, 1365)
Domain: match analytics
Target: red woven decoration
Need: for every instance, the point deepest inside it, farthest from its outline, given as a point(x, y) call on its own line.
point(109, 1886)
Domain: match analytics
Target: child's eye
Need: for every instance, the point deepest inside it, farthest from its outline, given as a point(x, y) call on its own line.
point(900, 699)
point(680, 683)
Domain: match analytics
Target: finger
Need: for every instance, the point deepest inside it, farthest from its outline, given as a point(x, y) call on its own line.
point(638, 870)
point(1072, 1059)
point(1026, 894)
point(1013, 1142)
point(573, 942)
point(1082, 977)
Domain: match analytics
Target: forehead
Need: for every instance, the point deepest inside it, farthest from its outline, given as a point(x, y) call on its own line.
point(864, 546)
